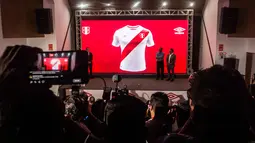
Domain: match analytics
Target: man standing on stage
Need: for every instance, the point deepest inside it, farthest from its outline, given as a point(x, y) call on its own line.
point(160, 63)
point(170, 59)
point(90, 59)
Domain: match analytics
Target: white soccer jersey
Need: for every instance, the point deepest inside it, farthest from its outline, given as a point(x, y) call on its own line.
point(133, 40)
point(55, 64)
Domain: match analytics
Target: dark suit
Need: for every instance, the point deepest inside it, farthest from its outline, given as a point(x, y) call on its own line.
point(170, 65)
point(90, 60)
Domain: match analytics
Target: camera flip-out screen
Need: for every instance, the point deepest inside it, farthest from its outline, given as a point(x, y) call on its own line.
point(59, 68)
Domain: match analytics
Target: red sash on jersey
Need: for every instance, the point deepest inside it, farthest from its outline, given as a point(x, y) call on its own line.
point(134, 43)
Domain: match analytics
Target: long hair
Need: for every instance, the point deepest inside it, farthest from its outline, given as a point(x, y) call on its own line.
point(23, 106)
point(15, 64)
point(125, 119)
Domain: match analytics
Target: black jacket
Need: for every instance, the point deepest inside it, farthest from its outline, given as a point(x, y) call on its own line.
point(90, 57)
point(172, 60)
point(158, 128)
point(34, 116)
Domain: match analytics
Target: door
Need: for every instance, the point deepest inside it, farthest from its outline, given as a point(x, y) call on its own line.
point(248, 68)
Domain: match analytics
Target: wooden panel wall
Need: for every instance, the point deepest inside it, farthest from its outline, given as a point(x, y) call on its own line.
point(246, 22)
point(19, 19)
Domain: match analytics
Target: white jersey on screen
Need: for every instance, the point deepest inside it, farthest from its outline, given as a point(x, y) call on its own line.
point(133, 40)
point(55, 64)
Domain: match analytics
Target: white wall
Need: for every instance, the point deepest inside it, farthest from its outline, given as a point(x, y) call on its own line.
point(49, 38)
point(9, 41)
point(251, 45)
point(61, 17)
point(234, 46)
point(210, 17)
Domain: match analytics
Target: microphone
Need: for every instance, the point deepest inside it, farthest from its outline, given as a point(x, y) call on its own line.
point(116, 78)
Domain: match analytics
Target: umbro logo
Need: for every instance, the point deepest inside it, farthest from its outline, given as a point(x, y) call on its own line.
point(179, 31)
point(174, 99)
point(172, 96)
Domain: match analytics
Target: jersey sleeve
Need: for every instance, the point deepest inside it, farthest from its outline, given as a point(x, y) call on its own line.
point(150, 41)
point(115, 41)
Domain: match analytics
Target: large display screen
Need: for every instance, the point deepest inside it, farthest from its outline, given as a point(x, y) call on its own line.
point(130, 46)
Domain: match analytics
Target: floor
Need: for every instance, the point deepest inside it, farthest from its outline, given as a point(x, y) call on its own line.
point(180, 84)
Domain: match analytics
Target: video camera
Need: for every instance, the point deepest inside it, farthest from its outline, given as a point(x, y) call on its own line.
point(118, 92)
point(61, 68)
point(110, 94)
point(76, 103)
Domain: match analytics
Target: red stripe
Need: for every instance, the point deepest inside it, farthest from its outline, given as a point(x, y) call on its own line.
point(134, 43)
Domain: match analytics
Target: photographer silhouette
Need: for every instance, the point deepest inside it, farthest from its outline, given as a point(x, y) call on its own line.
point(29, 113)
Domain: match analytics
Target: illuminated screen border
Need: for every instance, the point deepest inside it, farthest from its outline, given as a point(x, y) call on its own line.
point(185, 14)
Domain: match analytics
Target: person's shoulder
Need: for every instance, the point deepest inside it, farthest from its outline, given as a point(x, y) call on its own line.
point(46, 97)
point(94, 140)
point(178, 138)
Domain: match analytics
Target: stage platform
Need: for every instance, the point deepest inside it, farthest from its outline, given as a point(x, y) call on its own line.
point(141, 88)
point(180, 84)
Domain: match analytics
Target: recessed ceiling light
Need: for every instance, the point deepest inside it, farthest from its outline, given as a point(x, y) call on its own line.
point(191, 4)
point(164, 3)
point(136, 4)
point(83, 5)
point(108, 4)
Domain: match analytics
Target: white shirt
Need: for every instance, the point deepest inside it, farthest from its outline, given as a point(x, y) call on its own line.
point(133, 40)
point(55, 64)
point(169, 58)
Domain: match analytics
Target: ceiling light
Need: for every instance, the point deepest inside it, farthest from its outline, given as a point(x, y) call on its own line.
point(164, 3)
point(136, 4)
point(191, 4)
point(108, 4)
point(83, 5)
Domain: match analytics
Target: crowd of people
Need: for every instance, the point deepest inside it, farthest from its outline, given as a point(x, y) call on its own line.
point(219, 110)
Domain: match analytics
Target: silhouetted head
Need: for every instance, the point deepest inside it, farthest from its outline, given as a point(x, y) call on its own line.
point(171, 51)
point(15, 64)
point(125, 118)
point(160, 49)
point(215, 87)
point(159, 105)
point(217, 95)
point(87, 49)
